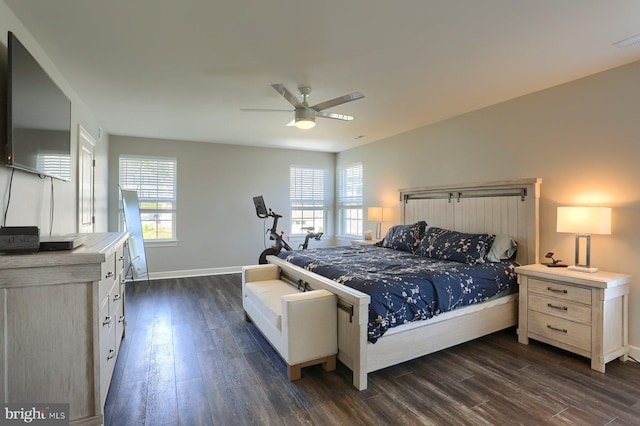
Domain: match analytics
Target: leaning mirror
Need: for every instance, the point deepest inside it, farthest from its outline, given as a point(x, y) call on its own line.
point(137, 258)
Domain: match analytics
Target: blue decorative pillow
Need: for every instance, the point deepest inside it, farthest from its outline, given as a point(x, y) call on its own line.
point(456, 246)
point(405, 237)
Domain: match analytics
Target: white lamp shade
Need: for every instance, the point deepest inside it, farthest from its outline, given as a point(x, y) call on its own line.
point(584, 220)
point(305, 124)
point(374, 214)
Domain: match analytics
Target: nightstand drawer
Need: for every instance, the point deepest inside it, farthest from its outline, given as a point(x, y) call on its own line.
point(560, 291)
point(560, 308)
point(560, 330)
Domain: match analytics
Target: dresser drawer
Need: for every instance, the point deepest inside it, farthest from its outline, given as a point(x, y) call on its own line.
point(116, 296)
point(560, 330)
point(560, 308)
point(122, 320)
point(119, 326)
point(104, 320)
point(560, 291)
point(107, 330)
point(108, 268)
point(107, 306)
point(107, 362)
point(104, 287)
point(119, 259)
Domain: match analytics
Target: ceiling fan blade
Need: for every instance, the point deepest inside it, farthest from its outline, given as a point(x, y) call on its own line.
point(334, 116)
point(286, 94)
point(338, 101)
point(264, 110)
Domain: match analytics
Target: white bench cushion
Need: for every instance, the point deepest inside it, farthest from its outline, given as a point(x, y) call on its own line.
point(266, 296)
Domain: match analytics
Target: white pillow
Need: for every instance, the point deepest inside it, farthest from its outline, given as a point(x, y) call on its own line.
point(503, 248)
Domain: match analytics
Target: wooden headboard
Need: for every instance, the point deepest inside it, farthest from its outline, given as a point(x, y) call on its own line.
point(506, 207)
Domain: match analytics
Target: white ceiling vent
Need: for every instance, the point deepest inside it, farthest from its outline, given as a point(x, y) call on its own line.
point(628, 42)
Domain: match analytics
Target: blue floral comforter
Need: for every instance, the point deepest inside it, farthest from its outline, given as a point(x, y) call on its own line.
point(405, 287)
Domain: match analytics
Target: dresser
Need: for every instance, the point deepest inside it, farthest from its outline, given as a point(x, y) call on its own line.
point(62, 321)
point(585, 313)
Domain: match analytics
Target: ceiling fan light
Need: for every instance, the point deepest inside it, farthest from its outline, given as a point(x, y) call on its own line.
point(305, 123)
point(305, 118)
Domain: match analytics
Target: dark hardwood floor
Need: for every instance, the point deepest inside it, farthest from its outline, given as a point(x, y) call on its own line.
point(189, 358)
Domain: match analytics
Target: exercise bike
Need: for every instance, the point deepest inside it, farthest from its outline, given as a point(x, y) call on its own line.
point(280, 243)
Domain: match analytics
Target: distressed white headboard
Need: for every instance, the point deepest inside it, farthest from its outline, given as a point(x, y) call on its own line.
point(506, 207)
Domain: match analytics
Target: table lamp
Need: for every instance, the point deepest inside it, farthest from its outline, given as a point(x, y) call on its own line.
point(374, 214)
point(584, 221)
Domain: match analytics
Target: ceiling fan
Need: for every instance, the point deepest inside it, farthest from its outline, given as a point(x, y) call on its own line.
point(305, 115)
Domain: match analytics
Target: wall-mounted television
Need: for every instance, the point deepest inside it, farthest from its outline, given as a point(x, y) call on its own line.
point(38, 115)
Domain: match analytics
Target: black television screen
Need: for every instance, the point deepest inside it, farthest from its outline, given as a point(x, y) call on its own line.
point(39, 117)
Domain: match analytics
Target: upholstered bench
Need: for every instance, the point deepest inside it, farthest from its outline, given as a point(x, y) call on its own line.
point(301, 326)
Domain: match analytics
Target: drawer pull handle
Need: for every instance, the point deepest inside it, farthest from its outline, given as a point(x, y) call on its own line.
point(116, 297)
point(107, 320)
point(555, 290)
point(562, 308)
point(112, 353)
point(121, 258)
point(109, 274)
point(561, 330)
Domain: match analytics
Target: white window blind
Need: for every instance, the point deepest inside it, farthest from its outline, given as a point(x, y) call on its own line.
point(307, 194)
point(350, 200)
point(55, 165)
point(154, 179)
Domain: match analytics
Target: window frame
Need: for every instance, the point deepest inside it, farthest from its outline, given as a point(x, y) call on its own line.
point(165, 190)
point(350, 200)
point(307, 199)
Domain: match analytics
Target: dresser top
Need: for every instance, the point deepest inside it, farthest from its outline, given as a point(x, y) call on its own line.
point(95, 250)
point(600, 279)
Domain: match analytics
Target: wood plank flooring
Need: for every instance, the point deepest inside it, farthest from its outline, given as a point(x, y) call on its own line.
point(189, 358)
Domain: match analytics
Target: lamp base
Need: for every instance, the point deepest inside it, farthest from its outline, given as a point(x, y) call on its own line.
point(583, 269)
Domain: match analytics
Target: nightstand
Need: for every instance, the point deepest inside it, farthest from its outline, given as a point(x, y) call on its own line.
point(584, 313)
point(363, 242)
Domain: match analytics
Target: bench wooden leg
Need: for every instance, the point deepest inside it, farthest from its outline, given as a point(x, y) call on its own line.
point(295, 371)
point(330, 363)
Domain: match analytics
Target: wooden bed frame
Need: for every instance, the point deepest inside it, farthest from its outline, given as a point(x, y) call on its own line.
point(508, 207)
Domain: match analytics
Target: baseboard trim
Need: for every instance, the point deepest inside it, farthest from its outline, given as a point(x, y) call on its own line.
point(634, 352)
point(194, 273)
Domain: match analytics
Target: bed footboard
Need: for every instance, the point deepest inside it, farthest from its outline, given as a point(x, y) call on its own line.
point(362, 357)
point(353, 314)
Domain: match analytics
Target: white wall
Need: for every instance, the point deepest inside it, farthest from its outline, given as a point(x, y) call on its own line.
point(30, 195)
point(217, 227)
point(581, 138)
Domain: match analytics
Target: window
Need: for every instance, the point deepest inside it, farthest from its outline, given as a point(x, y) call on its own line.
point(154, 179)
point(55, 164)
point(350, 200)
point(307, 196)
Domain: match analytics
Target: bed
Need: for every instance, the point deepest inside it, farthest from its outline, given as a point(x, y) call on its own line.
point(508, 208)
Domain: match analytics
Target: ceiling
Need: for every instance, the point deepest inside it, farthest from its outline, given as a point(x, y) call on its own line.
point(183, 69)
